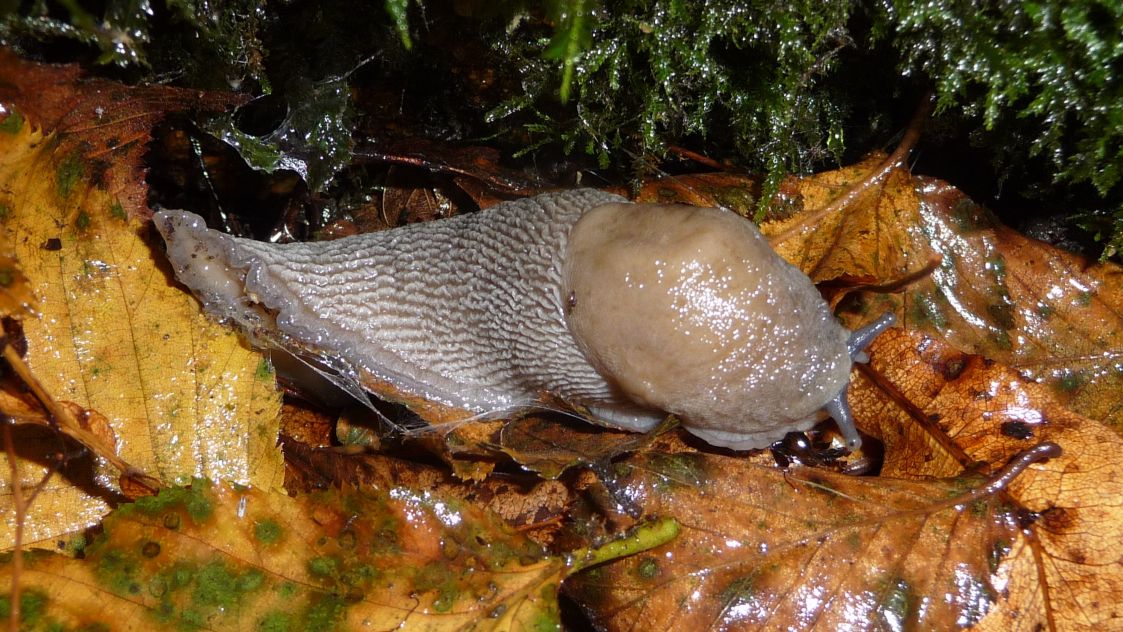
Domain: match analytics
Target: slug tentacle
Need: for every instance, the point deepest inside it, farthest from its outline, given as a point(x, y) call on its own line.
point(862, 338)
point(627, 311)
point(839, 410)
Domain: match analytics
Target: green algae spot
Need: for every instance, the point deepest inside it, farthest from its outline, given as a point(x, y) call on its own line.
point(264, 370)
point(325, 612)
point(5, 211)
point(250, 580)
point(324, 566)
point(223, 587)
point(33, 605)
point(275, 622)
point(13, 123)
point(1001, 339)
point(679, 470)
point(193, 499)
point(1069, 381)
point(927, 309)
point(267, 531)
point(896, 603)
point(118, 570)
point(854, 541)
point(117, 211)
point(998, 552)
point(445, 599)
point(67, 174)
point(361, 576)
point(741, 589)
point(434, 577)
point(648, 568)
point(287, 590)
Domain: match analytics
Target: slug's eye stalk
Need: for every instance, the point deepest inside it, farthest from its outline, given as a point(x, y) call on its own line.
point(862, 338)
point(838, 407)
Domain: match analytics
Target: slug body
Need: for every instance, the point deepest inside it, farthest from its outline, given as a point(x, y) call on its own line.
point(627, 311)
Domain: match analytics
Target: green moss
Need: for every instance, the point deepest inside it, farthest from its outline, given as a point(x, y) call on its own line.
point(117, 211)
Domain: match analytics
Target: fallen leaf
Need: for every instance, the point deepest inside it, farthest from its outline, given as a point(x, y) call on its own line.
point(804, 549)
point(1054, 316)
point(1066, 567)
point(183, 395)
point(225, 557)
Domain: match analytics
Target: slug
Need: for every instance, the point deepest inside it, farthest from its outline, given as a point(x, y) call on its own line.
point(625, 312)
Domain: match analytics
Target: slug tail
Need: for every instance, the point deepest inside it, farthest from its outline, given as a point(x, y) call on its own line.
point(203, 260)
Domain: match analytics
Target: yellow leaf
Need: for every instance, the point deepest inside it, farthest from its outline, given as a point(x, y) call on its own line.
point(228, 558)
point(184, 396)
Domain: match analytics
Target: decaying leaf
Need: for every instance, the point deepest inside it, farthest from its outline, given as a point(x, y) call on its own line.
point(809, 549)
point(225, 557)
point(1051, 315)
point(1067, 565)
point(184, 396)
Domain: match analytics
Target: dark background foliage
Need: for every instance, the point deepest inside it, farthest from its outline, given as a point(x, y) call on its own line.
point(1029, 115)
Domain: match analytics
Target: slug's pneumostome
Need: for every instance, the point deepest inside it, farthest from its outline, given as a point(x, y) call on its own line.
point(625, 311)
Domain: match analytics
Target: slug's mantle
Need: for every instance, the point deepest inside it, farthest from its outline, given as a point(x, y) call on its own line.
point(627, 311)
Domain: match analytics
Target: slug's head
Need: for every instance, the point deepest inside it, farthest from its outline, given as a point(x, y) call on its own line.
point(690, 311)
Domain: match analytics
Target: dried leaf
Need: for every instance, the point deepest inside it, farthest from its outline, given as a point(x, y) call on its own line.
point(1051, 315)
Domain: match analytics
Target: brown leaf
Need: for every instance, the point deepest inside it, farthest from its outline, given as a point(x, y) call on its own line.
point(1052, 315)
point(804, 549)
point(1069, 557)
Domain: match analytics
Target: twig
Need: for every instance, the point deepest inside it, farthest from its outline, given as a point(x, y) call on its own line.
point(912, 135)
point(69, 426)
point(21, 512)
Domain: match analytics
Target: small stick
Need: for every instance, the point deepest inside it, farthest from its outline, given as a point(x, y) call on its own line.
point(21, 512)
point(69, 426)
